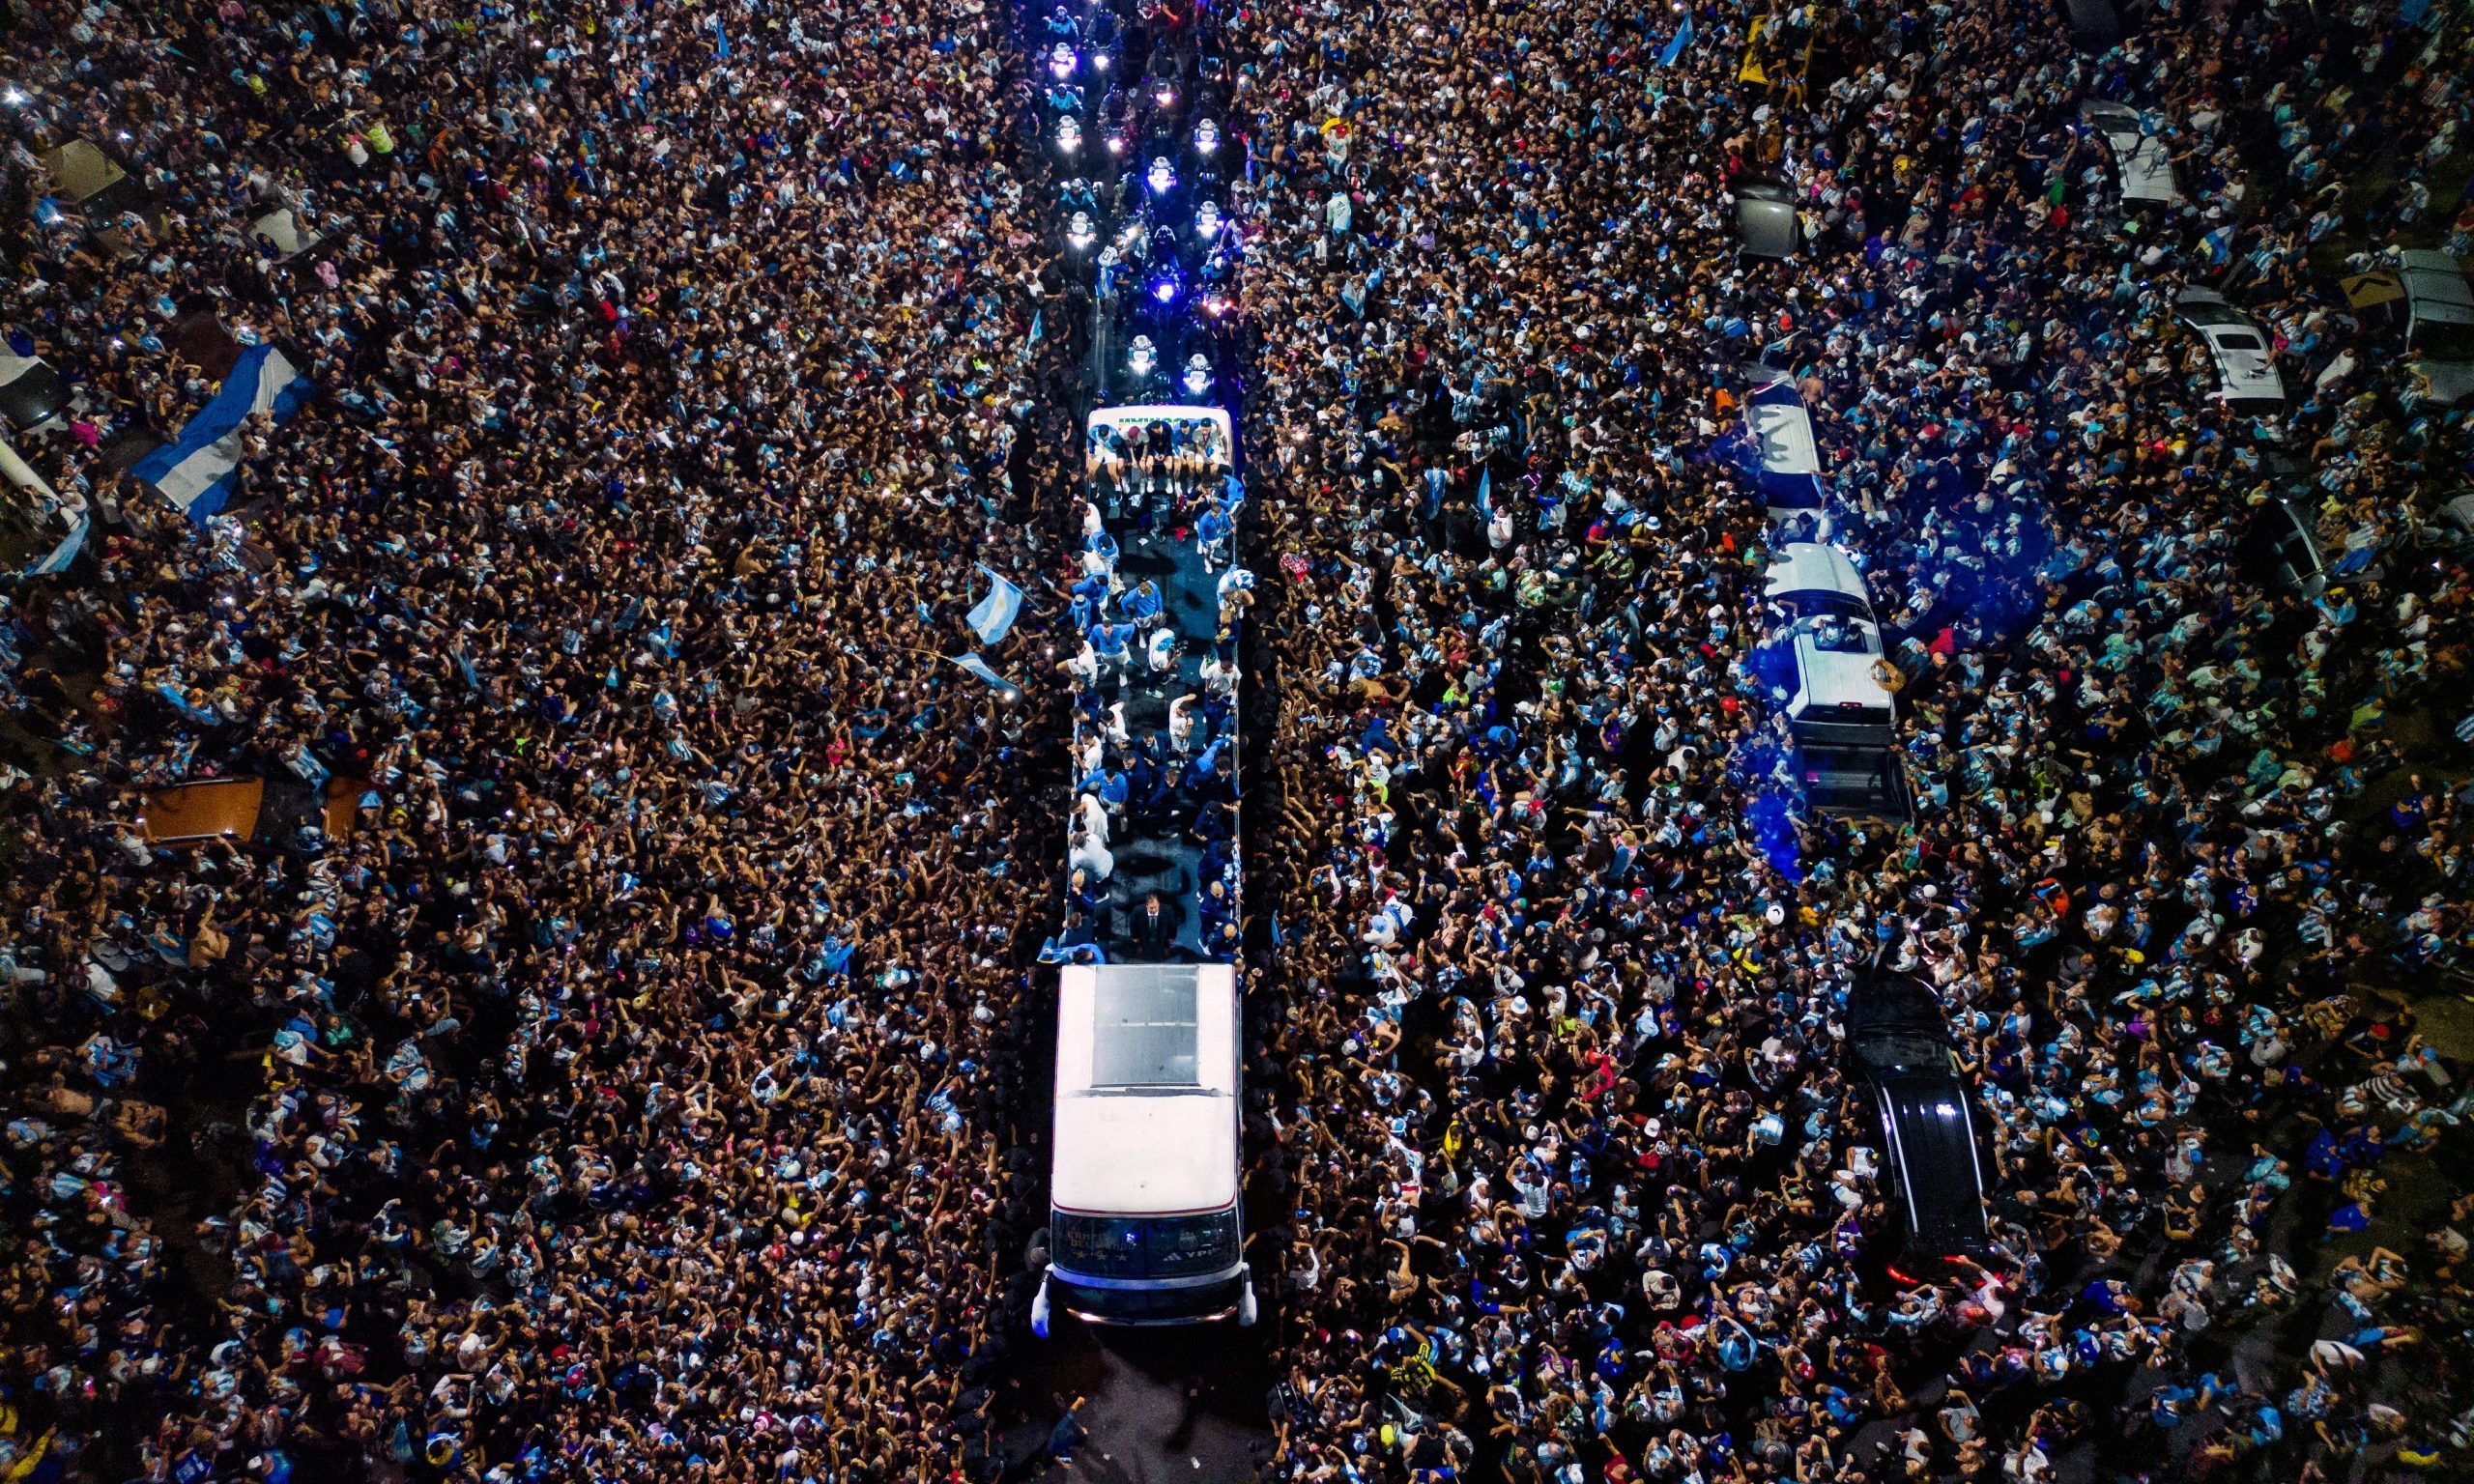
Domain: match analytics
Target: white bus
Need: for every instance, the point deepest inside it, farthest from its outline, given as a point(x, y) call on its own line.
point(1144, 1226)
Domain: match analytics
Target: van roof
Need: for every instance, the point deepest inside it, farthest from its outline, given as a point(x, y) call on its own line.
point(2436, 287)
point(1784, 430)
point(2145, 165)
point(1831, 681)
point(2430, 260)
point(1146, 1087)
point(1812, 567)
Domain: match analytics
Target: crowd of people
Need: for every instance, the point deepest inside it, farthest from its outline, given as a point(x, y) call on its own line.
point(1580, 1181)
point(613, 1084)
point(633, 1073)
point(1154, 745)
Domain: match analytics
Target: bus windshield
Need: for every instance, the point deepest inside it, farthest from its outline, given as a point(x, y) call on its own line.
point(1146, 1246)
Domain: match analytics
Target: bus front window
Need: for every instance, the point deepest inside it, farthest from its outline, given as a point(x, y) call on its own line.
point(1146, 1246)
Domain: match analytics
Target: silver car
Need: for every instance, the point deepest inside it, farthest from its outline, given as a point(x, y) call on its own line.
point(2246, 362)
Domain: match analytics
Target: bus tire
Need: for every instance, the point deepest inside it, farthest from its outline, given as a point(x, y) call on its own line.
point(1039, 1311)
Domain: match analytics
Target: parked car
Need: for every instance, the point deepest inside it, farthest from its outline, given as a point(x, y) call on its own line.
point(2278, 547)
point(2246, 362)
point(2439, 324)
point(1765, 221)
point(2142, 167)
point(31, 393)
point(1906, 1066)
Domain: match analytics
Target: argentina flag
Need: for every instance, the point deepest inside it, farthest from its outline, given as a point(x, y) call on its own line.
point(995, 614)
point(1674, 46)
point(198, 470)
point(979, 666)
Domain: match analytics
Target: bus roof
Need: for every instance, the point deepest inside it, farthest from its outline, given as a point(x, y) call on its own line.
point(1146, 1087)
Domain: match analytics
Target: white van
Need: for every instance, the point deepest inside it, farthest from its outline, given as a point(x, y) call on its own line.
point(1786, 453)
point(2143, 166)
point(1840, 707)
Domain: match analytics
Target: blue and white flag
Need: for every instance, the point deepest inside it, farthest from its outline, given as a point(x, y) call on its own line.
point(979, 666)
point(1035, 325)
point(996, 613)
point(1675, 47)
point(1486, 493)
point(180, 702)
point(65, 552)
point(198, 470)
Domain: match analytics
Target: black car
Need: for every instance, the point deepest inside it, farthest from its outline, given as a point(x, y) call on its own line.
point(2277, 546)
point(2095, 25)
point(1766, 223)
point(1907, 1068)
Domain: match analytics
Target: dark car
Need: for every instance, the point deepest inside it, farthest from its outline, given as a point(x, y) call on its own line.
point(2095, 25)
point(31, 393)
point(1766, 223)
point(2277, 546)
point(1907, 1069)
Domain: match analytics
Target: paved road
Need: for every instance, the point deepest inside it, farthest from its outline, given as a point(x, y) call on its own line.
point(1160, 1405)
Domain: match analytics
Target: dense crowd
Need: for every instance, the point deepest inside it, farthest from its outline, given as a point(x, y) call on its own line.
point(617, 1096)
point(630, 1084)
point(1579, 1182)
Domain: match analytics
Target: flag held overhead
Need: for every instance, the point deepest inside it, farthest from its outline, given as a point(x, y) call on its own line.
point(995, 614)
point(979, 666)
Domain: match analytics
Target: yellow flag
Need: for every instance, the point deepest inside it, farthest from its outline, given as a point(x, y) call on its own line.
point(1751, 70)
